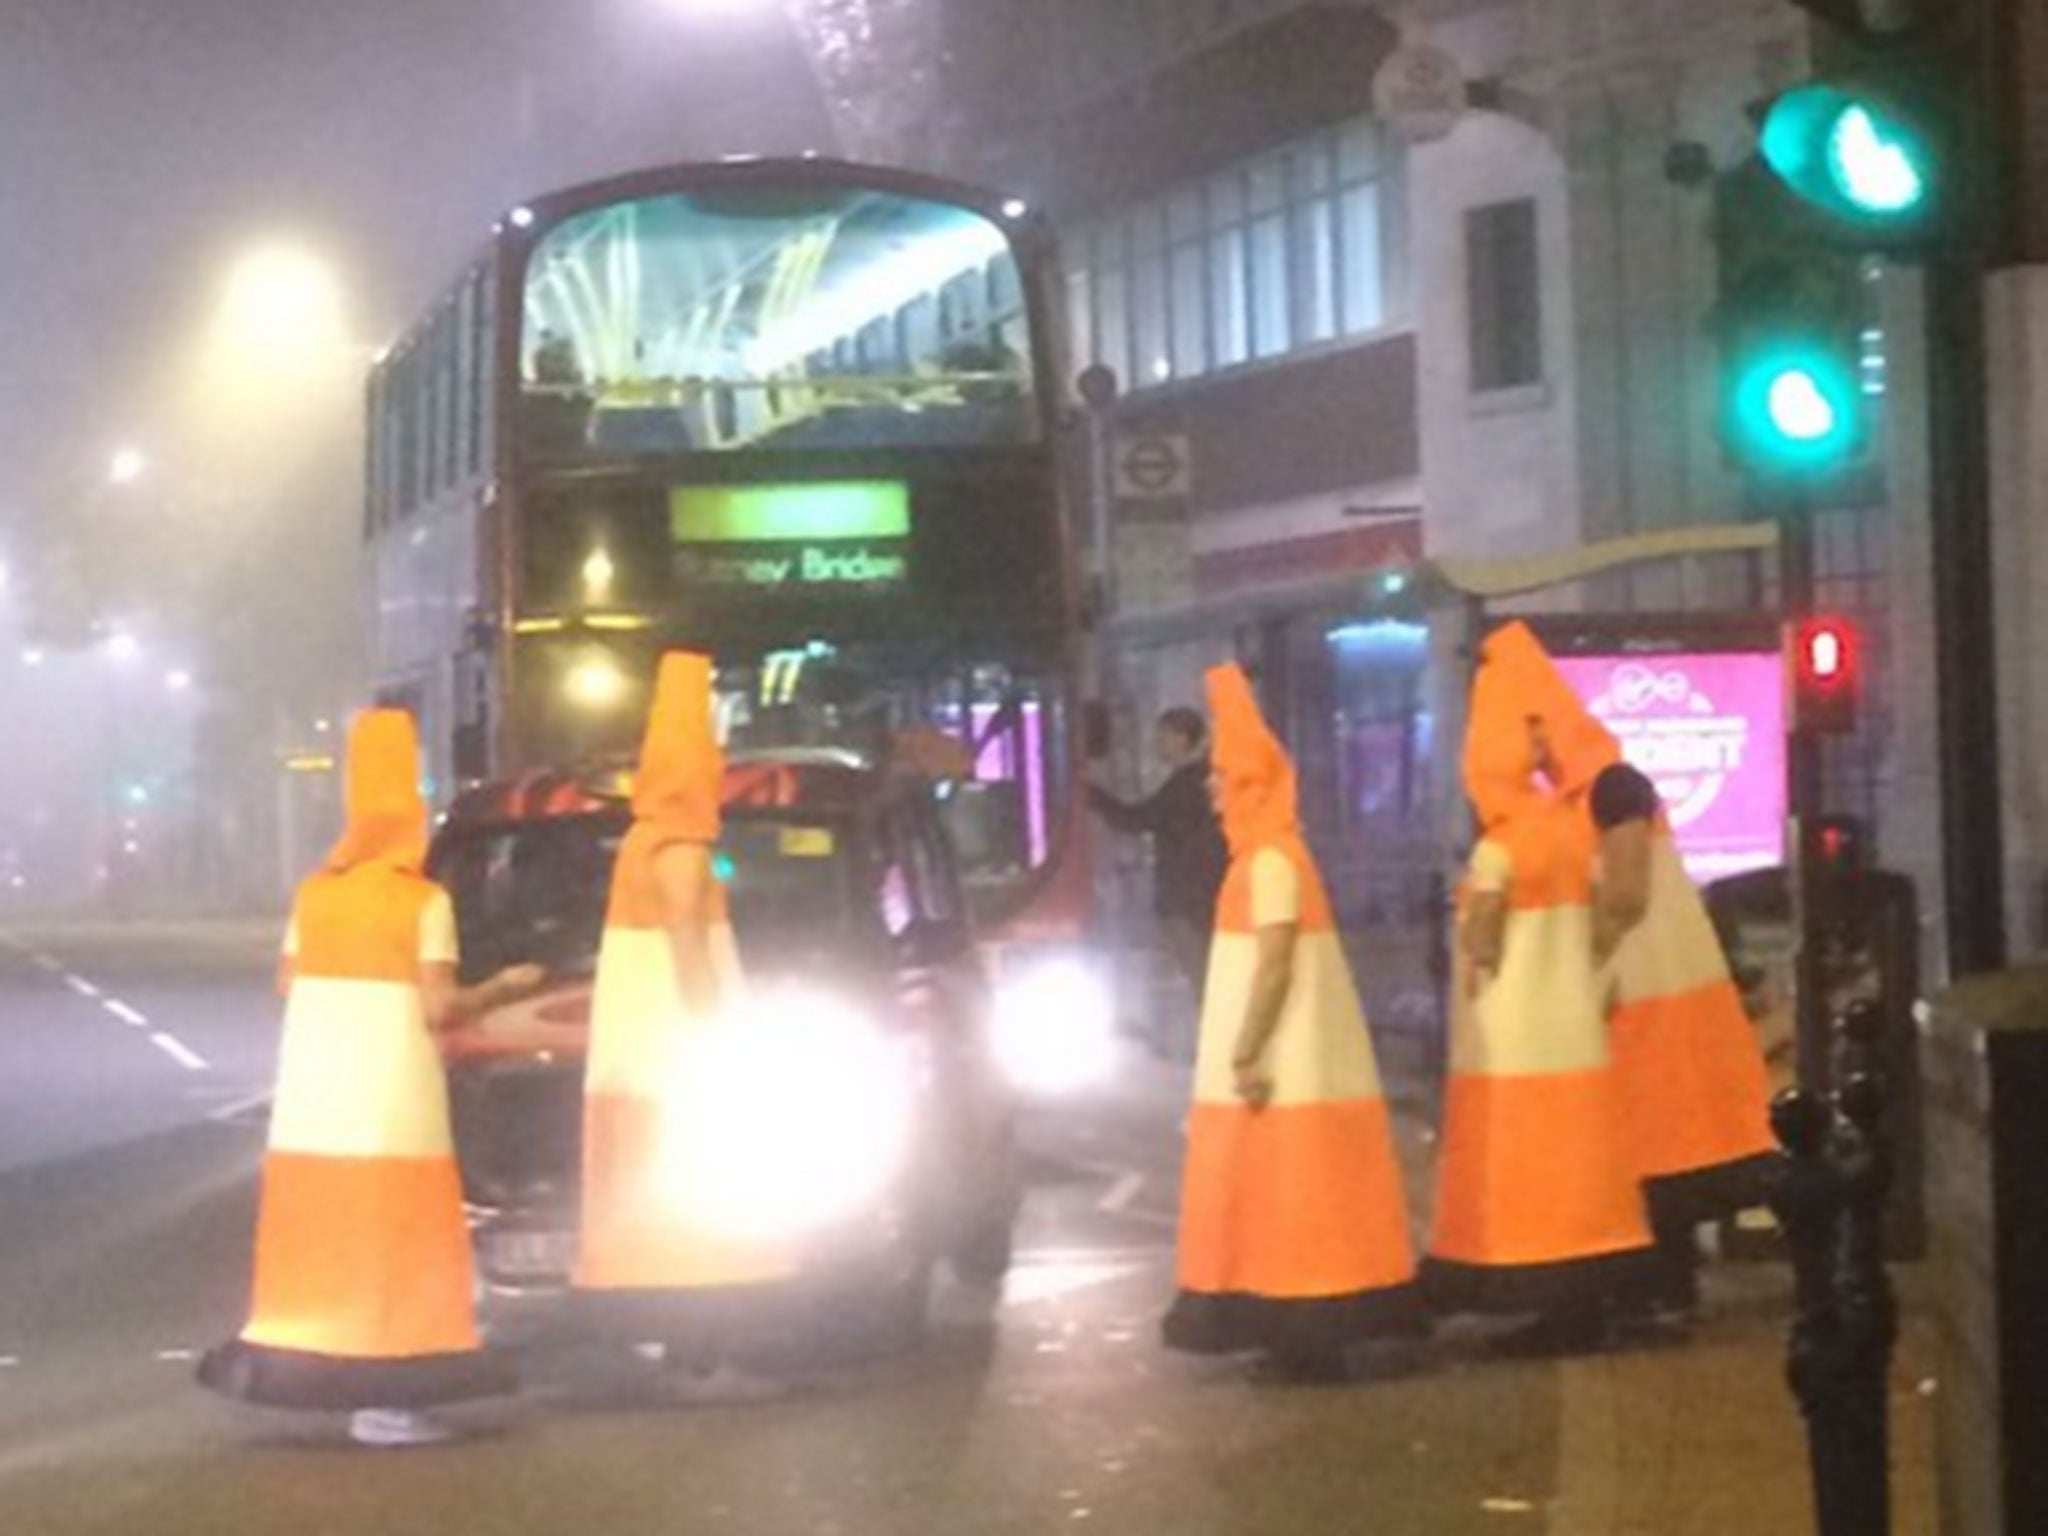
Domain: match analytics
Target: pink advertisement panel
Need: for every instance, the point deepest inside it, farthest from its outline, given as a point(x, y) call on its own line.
point(1709, 730)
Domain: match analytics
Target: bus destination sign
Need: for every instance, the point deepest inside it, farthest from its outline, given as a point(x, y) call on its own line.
point(835, 537)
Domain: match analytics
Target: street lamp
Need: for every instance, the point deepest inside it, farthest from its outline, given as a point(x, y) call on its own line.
point(127, 466)
point(281, 301)
point(177, 680)
point(122, 646)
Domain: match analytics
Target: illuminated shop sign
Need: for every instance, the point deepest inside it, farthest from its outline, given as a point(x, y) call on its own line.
point(1709, 730)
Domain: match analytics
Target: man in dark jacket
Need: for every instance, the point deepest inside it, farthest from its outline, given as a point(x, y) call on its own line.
point(1188, 855)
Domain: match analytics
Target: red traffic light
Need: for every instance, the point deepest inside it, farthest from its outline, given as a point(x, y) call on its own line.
point(1825, 663)
point(1824, 652)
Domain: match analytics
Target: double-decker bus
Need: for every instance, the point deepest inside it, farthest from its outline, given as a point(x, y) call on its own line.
point(800, 414)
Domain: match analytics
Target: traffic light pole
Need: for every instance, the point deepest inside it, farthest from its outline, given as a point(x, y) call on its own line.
point(1804, 792)
point(1965, 639)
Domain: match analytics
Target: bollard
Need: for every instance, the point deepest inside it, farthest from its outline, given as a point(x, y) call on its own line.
point(1828, 1195)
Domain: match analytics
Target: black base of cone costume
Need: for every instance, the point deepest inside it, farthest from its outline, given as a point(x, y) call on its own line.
point(1502, 1289)
point(289, 1378)
point(1708, 1194)
point(1203, 1323)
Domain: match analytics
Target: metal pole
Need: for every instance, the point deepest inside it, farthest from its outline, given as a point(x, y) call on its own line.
point(1804, 791)
point(1965, 640)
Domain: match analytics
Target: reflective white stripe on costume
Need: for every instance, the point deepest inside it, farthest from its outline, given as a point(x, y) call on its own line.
point(637, 1011)
point(1320, 1051)
point(1674, 949)
point(1542, 1013)
point(358, 1074)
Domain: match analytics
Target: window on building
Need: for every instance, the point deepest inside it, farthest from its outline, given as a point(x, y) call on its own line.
point(1081, 317)
point(1261, 260)
point(1230, 319)
point(1271, 321)
point(1361, 273)
point(1190, 310)
point(1503, 293)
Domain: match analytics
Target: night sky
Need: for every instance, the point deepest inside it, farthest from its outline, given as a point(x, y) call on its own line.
point(144, 142)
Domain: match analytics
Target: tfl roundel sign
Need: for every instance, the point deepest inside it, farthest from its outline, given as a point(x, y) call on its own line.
point(1153, 465)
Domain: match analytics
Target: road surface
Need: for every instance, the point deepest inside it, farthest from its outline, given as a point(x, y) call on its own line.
point(132, 1066)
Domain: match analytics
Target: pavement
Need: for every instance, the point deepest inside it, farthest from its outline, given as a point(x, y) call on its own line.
point(126, 1204)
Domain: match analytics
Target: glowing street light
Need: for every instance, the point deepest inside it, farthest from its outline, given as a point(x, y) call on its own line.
point(127, 466)
point(280, 298)
point(122, 646)
point(177, 680)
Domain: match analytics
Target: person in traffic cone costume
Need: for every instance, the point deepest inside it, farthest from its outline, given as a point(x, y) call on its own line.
point(660, 1257)
point(1693, 1082)
point(363, 1297)
point(1538, 1207)
point(1294, 1233)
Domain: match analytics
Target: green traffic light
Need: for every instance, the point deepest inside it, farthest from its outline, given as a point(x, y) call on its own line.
point(1796, 410)
point(1875, 172)
point(1850, 155)
point(1800, 411)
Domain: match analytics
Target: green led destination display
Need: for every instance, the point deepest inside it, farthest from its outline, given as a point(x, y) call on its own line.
point(819, 536)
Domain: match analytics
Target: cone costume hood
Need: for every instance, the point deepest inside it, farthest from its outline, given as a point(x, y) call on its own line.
point(387, 814)
point(1258, 796)
point(682, 768)
point(1518, 684)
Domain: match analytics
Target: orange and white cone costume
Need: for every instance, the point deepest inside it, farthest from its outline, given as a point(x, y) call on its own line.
point(363, 1294)
point(1538, 1201)
point(1294, 1225)
point(652, 1234)
point(1694, 1085)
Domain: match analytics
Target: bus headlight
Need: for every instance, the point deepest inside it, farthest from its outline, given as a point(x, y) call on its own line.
point(790, 1115)
point(596, 682)
point(1055, 1026)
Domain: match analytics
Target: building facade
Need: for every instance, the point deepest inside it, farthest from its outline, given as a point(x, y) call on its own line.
point(1346, 346)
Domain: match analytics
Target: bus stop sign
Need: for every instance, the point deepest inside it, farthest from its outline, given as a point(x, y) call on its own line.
point(1152, 466)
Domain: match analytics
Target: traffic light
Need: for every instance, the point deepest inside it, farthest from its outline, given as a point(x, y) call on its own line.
point(1790, 318)
point(1827, 674)
point(1875, 143)
point(1857, 157)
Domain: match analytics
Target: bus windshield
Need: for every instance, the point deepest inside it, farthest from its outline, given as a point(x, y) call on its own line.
point(993, 734)
point(774, 317)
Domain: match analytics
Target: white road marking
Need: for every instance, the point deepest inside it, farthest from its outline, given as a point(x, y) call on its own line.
point(1125, 1183)
point(1079, 1255)
point(1042, 1282)
point(1123, 1192)
point(178, 1051)
point(170, 1045)
point(169, 1355)
point(244, 1105)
